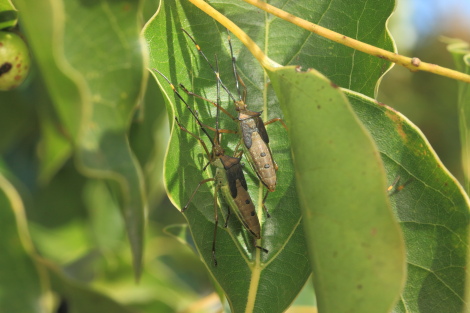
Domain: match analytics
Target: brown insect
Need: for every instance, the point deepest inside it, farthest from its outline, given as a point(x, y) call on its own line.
point(228, 178)
point(251, 127)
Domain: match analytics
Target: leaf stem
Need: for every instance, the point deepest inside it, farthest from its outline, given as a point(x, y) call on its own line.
point(413, 64)
point(255, 50)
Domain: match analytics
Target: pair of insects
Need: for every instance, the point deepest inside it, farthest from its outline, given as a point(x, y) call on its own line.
point(229, 177)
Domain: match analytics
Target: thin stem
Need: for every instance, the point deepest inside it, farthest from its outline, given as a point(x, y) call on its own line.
point(414, 64)
point(234, 29)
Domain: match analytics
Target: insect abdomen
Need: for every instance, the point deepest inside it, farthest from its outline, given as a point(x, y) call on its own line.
point(243, 207)
point(247, 211)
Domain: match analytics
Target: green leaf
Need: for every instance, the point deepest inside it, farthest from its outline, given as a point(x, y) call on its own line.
point(61, 244)
point(39, 24)
point(304, 301)
point(289, 45)
point(182, 233)
point(78, 298)
point(356, 247)
point(16, 115)
point(20, 109)
point(54, 149)
point(460, 51)
point(19, 274)
point(8, 14)
point(432, 208)
point(245, 275)
point(95, 81)
point(106, 224)
point(149, 137)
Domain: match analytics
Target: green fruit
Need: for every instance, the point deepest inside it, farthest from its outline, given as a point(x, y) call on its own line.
point(14, 60)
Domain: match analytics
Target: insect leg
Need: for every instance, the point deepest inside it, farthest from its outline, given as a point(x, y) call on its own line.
point(264, 204)
point(277, 119)
point(194, 192)
point(261, 248)
point(195, 136)
point(216, 221)
point(238, 154)
point(207, 100)
point(238, 80)
point(216, 72)
point(228, 216)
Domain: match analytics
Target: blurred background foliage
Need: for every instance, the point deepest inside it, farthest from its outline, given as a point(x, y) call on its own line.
point(58, 201)
point(429, 101)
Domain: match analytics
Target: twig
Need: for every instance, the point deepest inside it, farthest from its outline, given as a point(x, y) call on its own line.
point(414, 64)
point(255, 50)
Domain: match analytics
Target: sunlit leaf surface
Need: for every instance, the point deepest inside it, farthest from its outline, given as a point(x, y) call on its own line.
point(356, 246)
point(430, 205)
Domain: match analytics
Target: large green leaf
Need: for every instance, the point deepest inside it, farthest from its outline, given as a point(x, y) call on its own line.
point(105, 221)
point(286, 44)
point(90, 56)
point(19, 273)
point(245, 275)
point(460, 51)
point(432, 208)
point(76, 298)
point(355, 244)
point(8, 14)
point(149, 137)
point(54, 148)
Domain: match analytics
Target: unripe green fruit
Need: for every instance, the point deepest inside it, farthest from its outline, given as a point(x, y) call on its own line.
point(14, 60)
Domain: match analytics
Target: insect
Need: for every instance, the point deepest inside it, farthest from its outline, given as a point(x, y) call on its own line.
point(395, 187)
point(228, 178)
point(251, 127)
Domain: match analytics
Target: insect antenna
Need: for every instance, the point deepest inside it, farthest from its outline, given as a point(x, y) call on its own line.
point(234, 67)
point(216, 71)
point(217, 115)
point(187, 106)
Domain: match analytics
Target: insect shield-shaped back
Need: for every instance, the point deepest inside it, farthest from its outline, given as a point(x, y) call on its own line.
point(239, 193)
point(251, 122)
point(256, 140)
